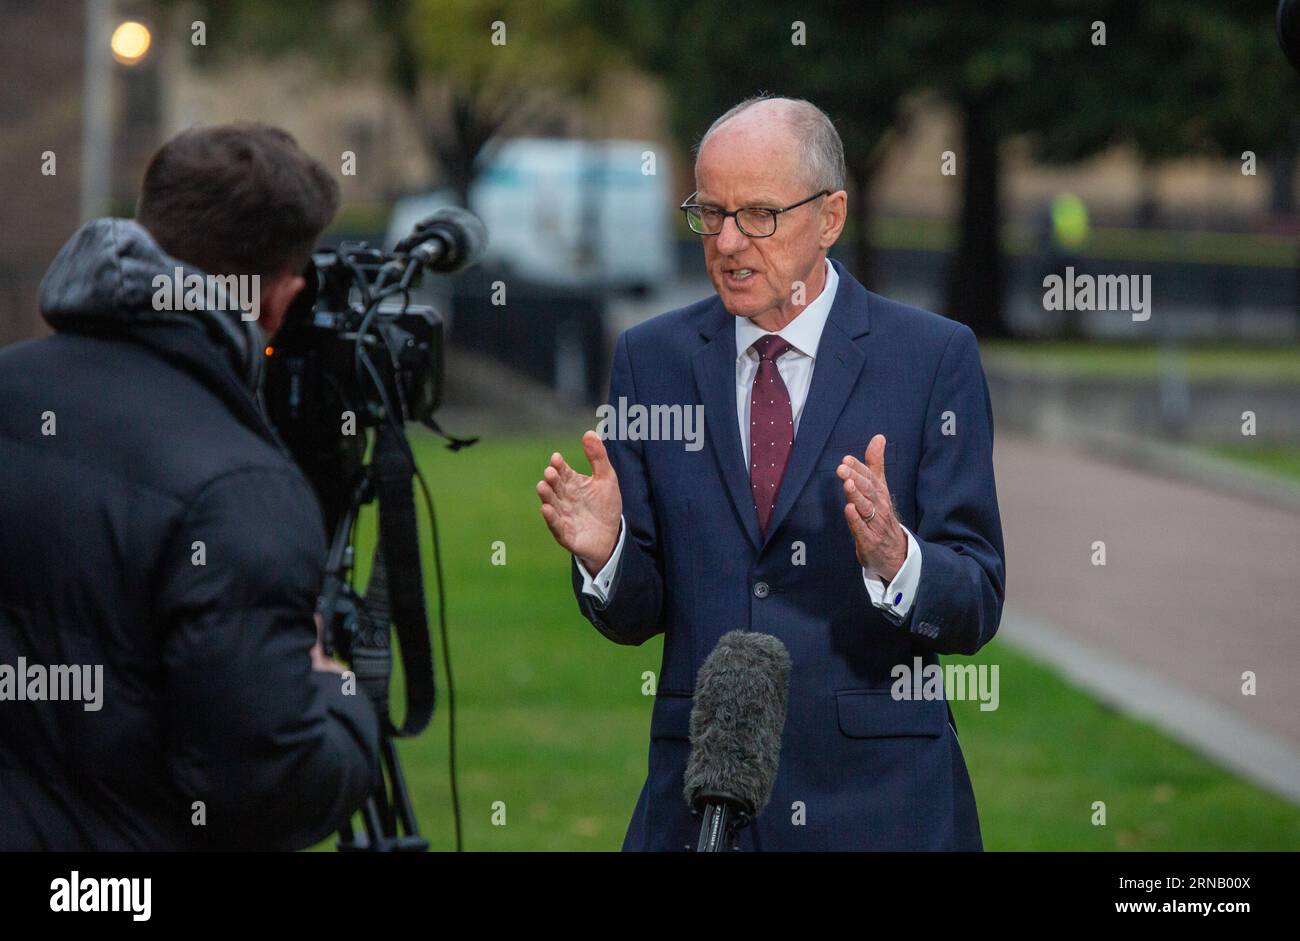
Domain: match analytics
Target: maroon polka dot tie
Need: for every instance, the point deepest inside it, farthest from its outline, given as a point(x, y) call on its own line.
point(771, 428)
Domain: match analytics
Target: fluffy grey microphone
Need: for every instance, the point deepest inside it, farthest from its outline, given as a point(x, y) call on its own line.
point(736, 722)
point(450, 239)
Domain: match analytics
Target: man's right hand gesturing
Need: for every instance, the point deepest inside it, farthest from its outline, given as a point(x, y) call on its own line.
point(583, 512)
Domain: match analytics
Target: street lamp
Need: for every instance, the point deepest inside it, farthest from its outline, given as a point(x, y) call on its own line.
point(130, 42)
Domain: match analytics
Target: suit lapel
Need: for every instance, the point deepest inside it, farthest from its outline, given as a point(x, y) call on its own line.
point(714, 365)
point(839, 363)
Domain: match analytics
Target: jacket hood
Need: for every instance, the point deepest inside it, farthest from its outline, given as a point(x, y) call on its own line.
point(102, 281)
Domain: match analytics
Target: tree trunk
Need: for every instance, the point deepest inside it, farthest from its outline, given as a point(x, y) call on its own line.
point(976, 282)
point(1281, 194)
point(863, 249)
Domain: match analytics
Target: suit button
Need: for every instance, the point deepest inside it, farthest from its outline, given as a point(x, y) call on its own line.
point(761, 590)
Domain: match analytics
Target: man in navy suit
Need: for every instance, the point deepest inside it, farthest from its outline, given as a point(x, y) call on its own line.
point(859, 566)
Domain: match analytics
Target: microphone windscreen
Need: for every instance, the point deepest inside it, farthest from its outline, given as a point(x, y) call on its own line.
point(462, 234)
point(468, 231)
point(737, 720)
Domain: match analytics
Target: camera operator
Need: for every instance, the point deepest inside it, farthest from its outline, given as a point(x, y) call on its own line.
point(153, 531)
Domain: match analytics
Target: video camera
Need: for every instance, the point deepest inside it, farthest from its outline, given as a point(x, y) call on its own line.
point(354, 361)
point(355, 353)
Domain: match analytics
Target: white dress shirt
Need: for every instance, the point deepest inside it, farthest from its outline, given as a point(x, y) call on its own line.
point(795, 365)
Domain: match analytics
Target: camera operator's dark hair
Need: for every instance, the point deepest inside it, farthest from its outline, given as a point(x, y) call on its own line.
point(238, 198)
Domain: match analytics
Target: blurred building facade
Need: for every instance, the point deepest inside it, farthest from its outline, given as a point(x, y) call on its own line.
point(40, 111)
point(47, 86)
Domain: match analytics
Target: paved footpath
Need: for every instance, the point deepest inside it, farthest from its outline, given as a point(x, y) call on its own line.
point(1199, 586)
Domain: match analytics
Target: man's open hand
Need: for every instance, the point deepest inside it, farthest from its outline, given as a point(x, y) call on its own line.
point(877, 535)
point(583, 512)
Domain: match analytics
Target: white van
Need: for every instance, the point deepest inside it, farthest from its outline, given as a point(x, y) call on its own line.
point(569, 212)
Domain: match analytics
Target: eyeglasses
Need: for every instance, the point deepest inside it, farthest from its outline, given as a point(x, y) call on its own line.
point(755, 221)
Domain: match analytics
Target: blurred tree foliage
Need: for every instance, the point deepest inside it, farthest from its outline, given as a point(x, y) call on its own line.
point(710, 55)
point(1172, 78)
point(1169, 78)
point(470, 71)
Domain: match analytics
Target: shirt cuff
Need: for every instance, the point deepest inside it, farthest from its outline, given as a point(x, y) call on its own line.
point(896, 598)
point(598, 587)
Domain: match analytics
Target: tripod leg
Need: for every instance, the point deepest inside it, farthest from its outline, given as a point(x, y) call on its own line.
point(402, 798)
point(388, 817)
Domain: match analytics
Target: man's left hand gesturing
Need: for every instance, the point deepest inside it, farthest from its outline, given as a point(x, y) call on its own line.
point(878, 537)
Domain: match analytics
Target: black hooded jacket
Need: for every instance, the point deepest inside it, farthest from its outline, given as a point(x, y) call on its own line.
point(151, 526)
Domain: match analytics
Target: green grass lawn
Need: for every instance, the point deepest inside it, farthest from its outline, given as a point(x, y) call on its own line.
point(1049, 751)
point(553, 724)
point(1281, 460)
point(1257, 249)
point(1124, 360)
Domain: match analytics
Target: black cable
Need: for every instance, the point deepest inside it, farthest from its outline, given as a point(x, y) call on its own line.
point(446, 656)
point(442, 594)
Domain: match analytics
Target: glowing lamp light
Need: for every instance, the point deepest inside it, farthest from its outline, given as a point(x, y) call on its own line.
point(130, 42)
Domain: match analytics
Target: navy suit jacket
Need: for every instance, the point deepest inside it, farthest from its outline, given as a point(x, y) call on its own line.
point(859, 769)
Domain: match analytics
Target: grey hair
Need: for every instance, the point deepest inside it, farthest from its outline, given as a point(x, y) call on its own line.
point(822, 157)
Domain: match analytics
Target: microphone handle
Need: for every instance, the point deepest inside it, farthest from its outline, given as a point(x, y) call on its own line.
point(422, 256)
point(431, 250)
point(720, 828)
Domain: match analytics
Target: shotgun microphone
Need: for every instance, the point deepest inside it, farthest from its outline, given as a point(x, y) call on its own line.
point(450, 239)
point(736, 725)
